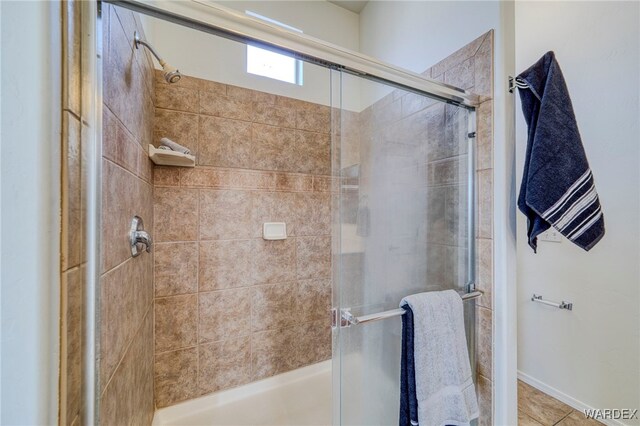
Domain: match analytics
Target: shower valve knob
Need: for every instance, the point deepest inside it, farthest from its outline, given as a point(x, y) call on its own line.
point(139, 238)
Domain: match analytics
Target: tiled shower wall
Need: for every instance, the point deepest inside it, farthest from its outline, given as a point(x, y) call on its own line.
point(126, 283)
point(230, 307)
point(471, 68)
point(387, 131)
point(73, 223)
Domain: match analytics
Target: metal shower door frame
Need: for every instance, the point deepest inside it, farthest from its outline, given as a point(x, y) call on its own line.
point(206, 16)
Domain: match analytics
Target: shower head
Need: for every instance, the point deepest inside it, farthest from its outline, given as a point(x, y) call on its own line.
point(171, 74)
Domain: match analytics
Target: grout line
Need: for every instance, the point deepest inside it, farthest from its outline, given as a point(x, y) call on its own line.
point(567, 415)
point(126, 351)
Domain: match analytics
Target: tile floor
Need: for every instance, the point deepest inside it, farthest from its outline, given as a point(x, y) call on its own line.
point(536, 408)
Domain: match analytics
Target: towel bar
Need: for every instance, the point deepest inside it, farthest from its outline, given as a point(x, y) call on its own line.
point(347, 319)
point(562, 305)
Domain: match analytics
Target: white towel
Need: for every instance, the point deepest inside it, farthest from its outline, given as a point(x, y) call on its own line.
point(444, 384)
point(174, 146)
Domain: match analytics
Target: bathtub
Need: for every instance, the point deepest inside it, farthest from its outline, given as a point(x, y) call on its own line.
point(299, 397)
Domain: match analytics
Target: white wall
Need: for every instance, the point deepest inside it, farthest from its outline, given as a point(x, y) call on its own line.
point(591, 354)
point(30, 191)
point(417, 34)
point(213, 58)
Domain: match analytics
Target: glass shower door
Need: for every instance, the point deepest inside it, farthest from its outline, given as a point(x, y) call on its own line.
point(403, 227)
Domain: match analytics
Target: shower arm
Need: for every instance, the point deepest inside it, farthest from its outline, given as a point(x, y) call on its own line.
point(138, 41)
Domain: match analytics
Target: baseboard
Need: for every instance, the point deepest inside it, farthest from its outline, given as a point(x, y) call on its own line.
point(563, 397)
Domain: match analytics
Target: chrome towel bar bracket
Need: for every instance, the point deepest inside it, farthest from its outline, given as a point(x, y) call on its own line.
point(562, 305)
point(347, 319)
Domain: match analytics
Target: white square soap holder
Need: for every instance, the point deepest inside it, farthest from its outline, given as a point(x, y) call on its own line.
point(274, 231)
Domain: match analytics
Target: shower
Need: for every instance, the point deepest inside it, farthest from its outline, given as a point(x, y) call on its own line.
point(171, 74)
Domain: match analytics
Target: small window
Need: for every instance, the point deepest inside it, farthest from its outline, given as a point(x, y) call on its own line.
point(271, 64)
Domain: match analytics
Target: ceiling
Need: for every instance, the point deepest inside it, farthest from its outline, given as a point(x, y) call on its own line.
point(352, 5)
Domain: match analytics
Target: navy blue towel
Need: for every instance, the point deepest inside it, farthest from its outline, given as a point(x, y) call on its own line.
point(408, 398)
point(557, 186)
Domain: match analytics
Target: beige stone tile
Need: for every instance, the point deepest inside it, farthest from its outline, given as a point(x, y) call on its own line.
point(461, 75)
point(145, 166)
point(274, 115)
point(277, 351)
point(123, 196)
point(273, 352)
point(456, 128)
point(313, 257)
point(171, 96)
point(484, 271)
point(126, 84)
point(273, 306)
point(577, 418)
point(128, 399)
point(484, 139)
point(314, 342)
point(224, 364)
point(438, 147)
point(126, 296)
point(293, 182)
point(175, 214)
point(180, 127)
point(213, 87)
point(251, 179)
point(176, 376)
point(325, 184)
point(274, 207)
point(525, 420)
point(313, 214)
point(223, 314)
point(71, 350)
point(176, 324)
point(540, 406)
point(225, 264)
point(485, 203)
point(274, 261)
point(484, 390)
point(272, 147)
point(204, 177)
point(290, 102)
point(225, 214)
point(212, 103)
point(412, 103)
point(386, 112)
point(484, 67)
point(311, 153)
point(175, 268)
point(457, 57)
point(223, 142)
point(313, 299)
point(71, 221)
point(145, 59)
point(484, 335)
point(243, 94)
point(447, 171)
point(314, 118)
point(71, 54)
point(119, 145)
point(166, 176)
point(142, 352)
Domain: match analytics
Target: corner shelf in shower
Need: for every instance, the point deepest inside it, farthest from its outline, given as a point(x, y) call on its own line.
point(164, 157)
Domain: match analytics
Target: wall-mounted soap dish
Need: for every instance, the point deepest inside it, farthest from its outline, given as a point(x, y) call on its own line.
point(165, 157)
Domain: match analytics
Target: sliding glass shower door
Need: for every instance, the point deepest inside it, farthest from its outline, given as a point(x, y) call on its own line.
point(403, 227)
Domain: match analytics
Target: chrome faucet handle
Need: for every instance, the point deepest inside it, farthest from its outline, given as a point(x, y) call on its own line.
point(139, 238)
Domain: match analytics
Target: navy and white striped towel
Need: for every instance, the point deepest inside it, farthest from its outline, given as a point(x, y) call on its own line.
point(557, 186)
